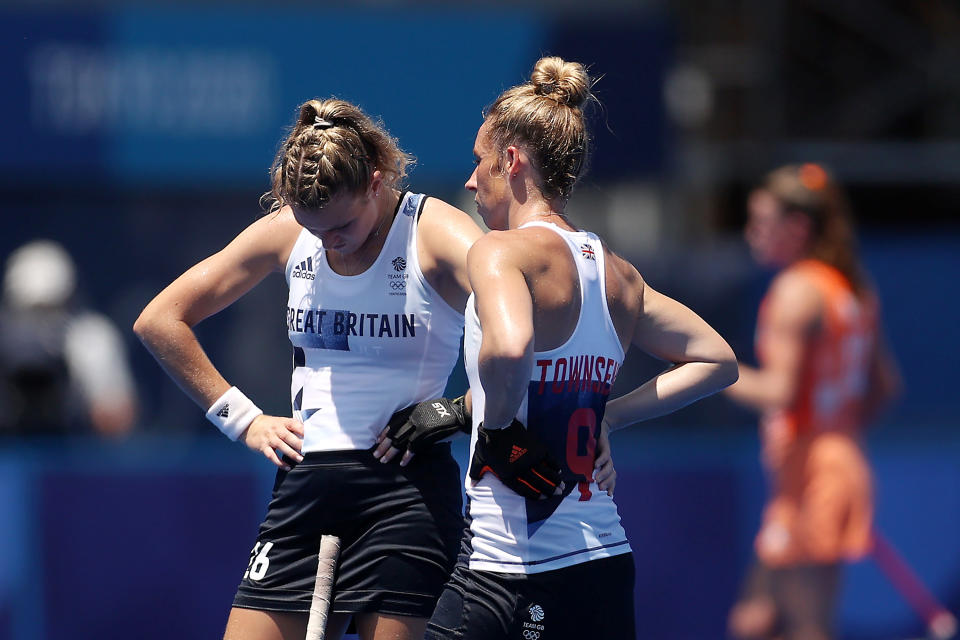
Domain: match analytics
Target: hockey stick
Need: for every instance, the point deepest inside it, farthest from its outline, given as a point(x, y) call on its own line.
point(941, 624)
point(323, 587)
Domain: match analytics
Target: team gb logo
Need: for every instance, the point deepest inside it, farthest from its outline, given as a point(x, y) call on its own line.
point(536, 613)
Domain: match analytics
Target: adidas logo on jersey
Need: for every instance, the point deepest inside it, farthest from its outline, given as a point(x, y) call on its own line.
point(304, 270)
point(516, 453)
point(225, 412)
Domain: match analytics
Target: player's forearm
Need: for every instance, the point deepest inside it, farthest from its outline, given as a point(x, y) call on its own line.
point(671, 390)
point(504, 374)
point(176, 349)
point(761, 390)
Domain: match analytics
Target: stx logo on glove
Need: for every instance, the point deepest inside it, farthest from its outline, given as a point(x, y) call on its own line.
point(422, 425)
point(441, 410)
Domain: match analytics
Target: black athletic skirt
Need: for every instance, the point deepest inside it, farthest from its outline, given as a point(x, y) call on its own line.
point(399, 529)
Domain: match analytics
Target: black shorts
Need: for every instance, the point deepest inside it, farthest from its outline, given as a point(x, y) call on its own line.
point(399, 529)
point(588, 600)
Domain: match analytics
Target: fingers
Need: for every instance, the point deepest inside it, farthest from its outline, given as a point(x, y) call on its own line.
point(407, 457)
point(271, 455)
point(279, 446)
point(285, 440)
point(385, 444)
point(605, 475)
point(390, 454)
point(294, 440)
point(275, 437)
point(606, 479)
point(385, 451)
point(524, 488)
point(295, 426)
point(603, 458)
point(543, 479)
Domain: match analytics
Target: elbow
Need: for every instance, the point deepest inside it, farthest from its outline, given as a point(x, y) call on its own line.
point(147, 326)
point(728, 369)
point(508, 355)
point(728, 372)
point(141, 327)
point(504, 358)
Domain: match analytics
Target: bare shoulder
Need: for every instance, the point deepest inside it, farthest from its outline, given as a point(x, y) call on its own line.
point(624, 282)
point(444, 220)
point(445, 232)
point(794, 298)
point(272, 235)
point(276, 231)
point(490, 248)
point(795, 286)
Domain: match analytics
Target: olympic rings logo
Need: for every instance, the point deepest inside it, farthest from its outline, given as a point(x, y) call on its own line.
point(531, 635)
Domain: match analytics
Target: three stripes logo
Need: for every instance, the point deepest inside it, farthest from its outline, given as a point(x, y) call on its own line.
point(225, 412)
point(516, 453)
point(304, 270)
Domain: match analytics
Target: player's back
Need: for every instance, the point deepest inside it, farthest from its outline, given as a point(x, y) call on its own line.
point(577, 355)
point(551, 275)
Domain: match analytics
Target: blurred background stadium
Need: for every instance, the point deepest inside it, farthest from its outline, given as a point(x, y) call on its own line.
point(138, 136)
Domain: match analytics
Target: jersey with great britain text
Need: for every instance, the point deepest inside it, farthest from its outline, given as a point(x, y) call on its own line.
point(835, 368)
point(365, 346)
point(566, 397)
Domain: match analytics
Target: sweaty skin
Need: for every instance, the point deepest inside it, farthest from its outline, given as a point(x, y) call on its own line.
point(527, 298)
point(166, 325)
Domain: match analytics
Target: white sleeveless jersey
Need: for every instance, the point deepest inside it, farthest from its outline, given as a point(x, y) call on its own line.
point(564, 406)
point(365, 346)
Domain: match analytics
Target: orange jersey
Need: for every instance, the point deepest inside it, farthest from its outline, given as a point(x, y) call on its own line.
point(821, 507)
point(835, 369)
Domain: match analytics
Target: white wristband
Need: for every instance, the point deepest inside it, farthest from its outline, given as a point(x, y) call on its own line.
point(233, 412)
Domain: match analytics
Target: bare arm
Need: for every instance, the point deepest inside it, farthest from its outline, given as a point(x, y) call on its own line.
point(505, 309)
point(703, 361)
point(444, 236)
point(795, 311)
point(166, 324)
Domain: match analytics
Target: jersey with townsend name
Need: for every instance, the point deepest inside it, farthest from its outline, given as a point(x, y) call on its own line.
point(365, 346)
point(564, 406)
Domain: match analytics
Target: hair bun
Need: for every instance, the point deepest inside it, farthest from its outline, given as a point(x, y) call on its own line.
point(309, 113)
point(565, 82)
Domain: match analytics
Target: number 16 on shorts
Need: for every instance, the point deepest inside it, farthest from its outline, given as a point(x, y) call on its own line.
point(259, 562)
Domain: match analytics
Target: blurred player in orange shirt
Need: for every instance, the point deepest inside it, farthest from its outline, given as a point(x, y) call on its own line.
point(824, 371)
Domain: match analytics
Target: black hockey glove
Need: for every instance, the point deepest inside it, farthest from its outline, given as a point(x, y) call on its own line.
point(425, 424)
point(517, 458)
